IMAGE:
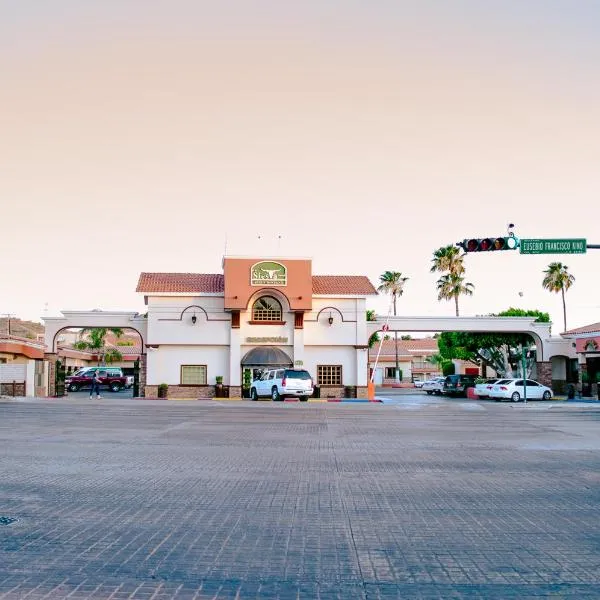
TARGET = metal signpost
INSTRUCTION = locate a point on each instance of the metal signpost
(553, 246)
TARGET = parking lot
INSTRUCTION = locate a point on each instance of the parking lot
(233, 499)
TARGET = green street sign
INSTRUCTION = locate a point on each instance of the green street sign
(561, 246)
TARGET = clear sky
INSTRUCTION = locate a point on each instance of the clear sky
(141, 135)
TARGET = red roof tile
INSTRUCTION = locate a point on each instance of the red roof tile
(208, 283)
(343, 284)
(593, 328)
(180, 282)
(406, 348)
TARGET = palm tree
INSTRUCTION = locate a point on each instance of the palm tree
(558, 279)
(95, 343)
(392, 283)
(448, 258)
(452, 286)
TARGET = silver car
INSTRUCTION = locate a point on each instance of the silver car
(434, 386)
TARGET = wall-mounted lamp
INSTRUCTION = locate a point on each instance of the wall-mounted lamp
(194, 319)
(330, 319)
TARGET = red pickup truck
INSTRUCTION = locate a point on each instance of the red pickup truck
(110, 377)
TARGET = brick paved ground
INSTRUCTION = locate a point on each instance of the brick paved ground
(141, 499)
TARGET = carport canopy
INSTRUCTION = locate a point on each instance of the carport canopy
(266, 356)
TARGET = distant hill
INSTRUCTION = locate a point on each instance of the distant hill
(25, 329)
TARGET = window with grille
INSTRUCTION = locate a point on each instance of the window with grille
(193, 374)
(390, 372)
(329, 374)
(266, 309)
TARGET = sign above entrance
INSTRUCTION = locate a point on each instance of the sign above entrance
(268, 273)
(560, 246)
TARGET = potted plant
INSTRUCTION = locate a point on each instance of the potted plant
(585, 387)
(163, 390)
(219, 386)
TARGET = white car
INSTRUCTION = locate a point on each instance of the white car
(482, 390)
(418, 383)
(434, 386)
(279, 383)
(513, 389)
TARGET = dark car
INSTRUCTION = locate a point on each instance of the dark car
(110, 377)
(456, 385)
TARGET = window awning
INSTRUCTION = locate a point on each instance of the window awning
(266, 356)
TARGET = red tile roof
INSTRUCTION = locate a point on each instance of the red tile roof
(593, 328)
(209, 283)
(343, 284)
(406, 348)
(180, 282)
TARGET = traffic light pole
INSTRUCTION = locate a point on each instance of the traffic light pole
(524, 364)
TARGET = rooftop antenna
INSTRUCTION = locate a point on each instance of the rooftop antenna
(224, 253)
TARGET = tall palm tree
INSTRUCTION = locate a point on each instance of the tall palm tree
(558, 279)
(94, 342)
(392, 283)
(452, 286)
(448, 258)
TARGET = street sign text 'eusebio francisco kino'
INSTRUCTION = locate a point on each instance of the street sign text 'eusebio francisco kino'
(562, 246)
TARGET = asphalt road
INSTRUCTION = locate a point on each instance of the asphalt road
(233, 500)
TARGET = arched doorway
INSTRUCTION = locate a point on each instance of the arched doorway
(260, 359)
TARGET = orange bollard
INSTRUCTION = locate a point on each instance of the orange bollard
(371, 390)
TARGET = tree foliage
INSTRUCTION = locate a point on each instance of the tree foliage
(558, 279)
(502, 351)
(392, 283)
(95, 342)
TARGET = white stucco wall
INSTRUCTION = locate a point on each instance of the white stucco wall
(170, 321)
(331, 355)
(348, 328)
(559, 367)
(164, 363)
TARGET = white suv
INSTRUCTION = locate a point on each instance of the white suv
(279, 383)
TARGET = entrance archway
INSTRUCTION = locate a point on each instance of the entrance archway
(259, 359)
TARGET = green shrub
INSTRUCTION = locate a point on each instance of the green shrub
(448, 368)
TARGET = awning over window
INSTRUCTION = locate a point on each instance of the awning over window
(266, 356)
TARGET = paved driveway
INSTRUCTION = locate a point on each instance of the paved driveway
(167, 499)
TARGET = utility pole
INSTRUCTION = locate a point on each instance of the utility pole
(8, 317)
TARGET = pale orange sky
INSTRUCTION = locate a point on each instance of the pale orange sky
(366, 136)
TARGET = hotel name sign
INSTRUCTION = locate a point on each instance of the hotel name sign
(271, 340)
(268, 273)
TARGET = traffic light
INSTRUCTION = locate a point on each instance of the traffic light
(490, 244)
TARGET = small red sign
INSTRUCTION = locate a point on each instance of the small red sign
(386, 327)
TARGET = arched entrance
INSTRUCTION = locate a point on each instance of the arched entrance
(74, 320)
(259, 359)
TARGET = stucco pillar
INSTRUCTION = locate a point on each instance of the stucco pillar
(143, 375)
(51, 359)
(298, 347)
(362, 366)
(544, 373)
(362, 372)
(235, 371)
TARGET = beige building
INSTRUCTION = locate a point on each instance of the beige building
(258, 313)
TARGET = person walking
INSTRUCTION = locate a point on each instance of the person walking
(96, 385)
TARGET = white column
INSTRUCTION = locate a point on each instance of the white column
(362, 358)
(30, 378)
(298, 347)
(235, 371)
